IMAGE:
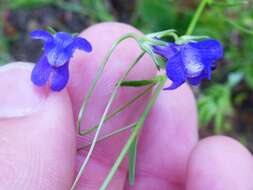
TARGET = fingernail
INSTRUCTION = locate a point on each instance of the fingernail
(18, 96)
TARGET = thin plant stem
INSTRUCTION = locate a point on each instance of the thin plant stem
(123, 129)
(132, 161)
(164, 33)
(103, 120)
(138, 83)
(130, 102)
(232, 4)
(133, 135)
(196, 17)
(97, 77)
(136, 130)
(239, 27)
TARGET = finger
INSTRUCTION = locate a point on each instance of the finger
(37, 142)
(220, 163)
(83, 70)
(168, 137)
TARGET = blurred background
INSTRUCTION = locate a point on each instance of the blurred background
(225, 103)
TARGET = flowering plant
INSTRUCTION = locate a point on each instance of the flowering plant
(58, 49)
(186, 58)
(191, 61)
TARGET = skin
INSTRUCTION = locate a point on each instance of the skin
(38, 140)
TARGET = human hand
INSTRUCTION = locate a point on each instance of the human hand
(37, 127)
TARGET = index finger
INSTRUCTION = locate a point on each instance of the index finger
(83, 69)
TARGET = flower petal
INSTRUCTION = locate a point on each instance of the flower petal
(57, 56)
(174, 85)
(167, 51)
(56, 52)
(79, 43)
(41, 72)
(192, 61)
(63, 39)
(196, 80)
(41, 35)
(207, 72)
(209, 49)
(60, 77)
(175, 71)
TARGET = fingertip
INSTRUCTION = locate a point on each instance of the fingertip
(19, 97)
(166, 141)
(84, 67)
(95, 175)
(113, 28)
(220, 163)
(220, 143)
(37, 133)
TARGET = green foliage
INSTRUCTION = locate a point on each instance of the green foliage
(160, 15)
(4, 55)
(215, 104)
(14, 4)
(226, 4)
(97, 9)
(232, 23)
(155, 14)
(241, 59)
(248, 71)
(71, 7)
(224, 19)
(247, 62)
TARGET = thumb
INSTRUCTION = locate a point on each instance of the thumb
(37, 143)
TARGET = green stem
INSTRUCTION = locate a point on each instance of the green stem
(139, 124)
(132, 161)
(135, 132)
(196, 17)
(164, 33)
(239, 27)
(97, 77)
(133, 135)
(138, 83)
(103, 120)
(130, 102)
(123, 129)
(232, 4)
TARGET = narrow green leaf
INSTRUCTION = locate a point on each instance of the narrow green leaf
(206, 112)
(102, 10)
(134, 134)
(71, 7)
(188, 38)
(218, 121)
(98, 10)
(51, 30)
(239, 27)
(132, 161)
(248, 72)
(228, 4)
(137, 83)
(15, 4)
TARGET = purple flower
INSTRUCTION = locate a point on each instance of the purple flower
(191, 61)
(53, 65)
